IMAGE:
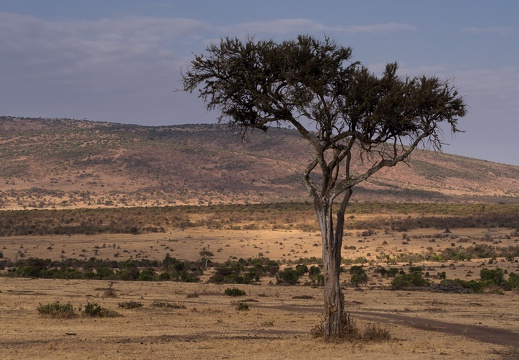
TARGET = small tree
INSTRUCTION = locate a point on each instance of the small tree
(347, 115)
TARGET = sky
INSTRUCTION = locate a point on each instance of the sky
(121, 60)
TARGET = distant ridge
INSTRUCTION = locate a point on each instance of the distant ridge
(66, 163)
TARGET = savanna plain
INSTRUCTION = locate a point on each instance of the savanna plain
(243, 283)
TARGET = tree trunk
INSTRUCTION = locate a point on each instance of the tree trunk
(333, 296)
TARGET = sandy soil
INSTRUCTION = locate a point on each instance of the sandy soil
(423, 325)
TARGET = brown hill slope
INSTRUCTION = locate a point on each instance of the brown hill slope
(62, 163)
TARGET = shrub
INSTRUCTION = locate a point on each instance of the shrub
(417, 269)
(289, 276)
(163, 304)
(475, 286)
(495, 276)
(104, 273)
(188, 277)
(130, 305)
(57, 310)
(413, 279)
(96, 310)
(147, 275)
(164, 276)
(301, 269)
(358, 275)
(316, 278)
(244, 271)
(512, 282)
(234, 292)
(305, 297)
(241, 306)
(391, 272)
(373, 332)
(129, 273)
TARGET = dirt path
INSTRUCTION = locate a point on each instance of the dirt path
(480, 333)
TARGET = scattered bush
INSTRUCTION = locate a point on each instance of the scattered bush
(185, 271)
(57, 310)
(488, 278)
(475, 286)
(244, 271)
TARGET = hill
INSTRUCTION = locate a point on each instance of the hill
(64, 163)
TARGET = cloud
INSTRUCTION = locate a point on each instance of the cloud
(64, 50)
(122, 69)
(66, 47)
(299, 25)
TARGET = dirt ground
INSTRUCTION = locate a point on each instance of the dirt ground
(204, 323)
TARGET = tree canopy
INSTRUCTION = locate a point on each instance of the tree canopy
(335, 104)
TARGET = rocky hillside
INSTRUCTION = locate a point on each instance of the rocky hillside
(63, 163)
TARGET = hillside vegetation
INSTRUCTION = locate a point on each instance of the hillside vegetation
(63, 164)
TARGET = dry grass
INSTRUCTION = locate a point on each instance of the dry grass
(351, 331)
(179, 320)
(276, 326)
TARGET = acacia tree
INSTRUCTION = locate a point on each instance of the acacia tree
(347, 114)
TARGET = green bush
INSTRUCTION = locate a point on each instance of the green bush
(289, 276)
(244, 271)
(95, 310)
(241, 306)
(185, 276)
(104, 273)
(512, 282)
(301, 269)
(495, 276)
(316, 278)
(57, 310)
(358, 275)
(475, 286)
(234, 292)
(413, 279)
(28, 271)
(391, 272)
(164, 276)
(128, 273)
(147, 275)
